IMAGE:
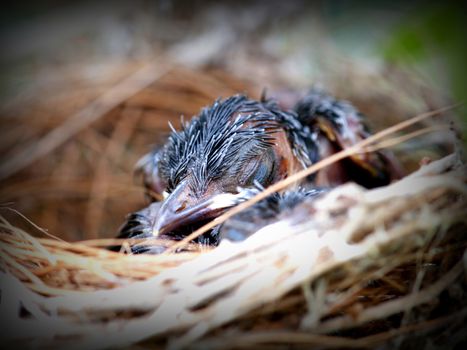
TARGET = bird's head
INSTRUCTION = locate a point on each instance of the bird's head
(215, 161)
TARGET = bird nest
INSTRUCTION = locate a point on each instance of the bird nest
(355, 268)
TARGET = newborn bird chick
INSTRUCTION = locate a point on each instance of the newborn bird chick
(237, 146)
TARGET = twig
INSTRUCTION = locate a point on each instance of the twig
(33, 224)
(401, 139)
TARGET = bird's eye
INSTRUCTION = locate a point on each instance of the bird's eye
(148, 168)
(262, 173)
(259, 170)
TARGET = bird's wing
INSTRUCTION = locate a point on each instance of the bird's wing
(337, 125)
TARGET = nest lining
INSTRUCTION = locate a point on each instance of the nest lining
(373, 267)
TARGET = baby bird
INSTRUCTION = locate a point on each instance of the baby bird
(238, 146)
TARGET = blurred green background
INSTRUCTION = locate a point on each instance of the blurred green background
(304, 41)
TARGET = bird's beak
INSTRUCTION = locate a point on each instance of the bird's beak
(180, 210)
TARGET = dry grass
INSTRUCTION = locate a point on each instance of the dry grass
(371, 266)
(385, 266)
